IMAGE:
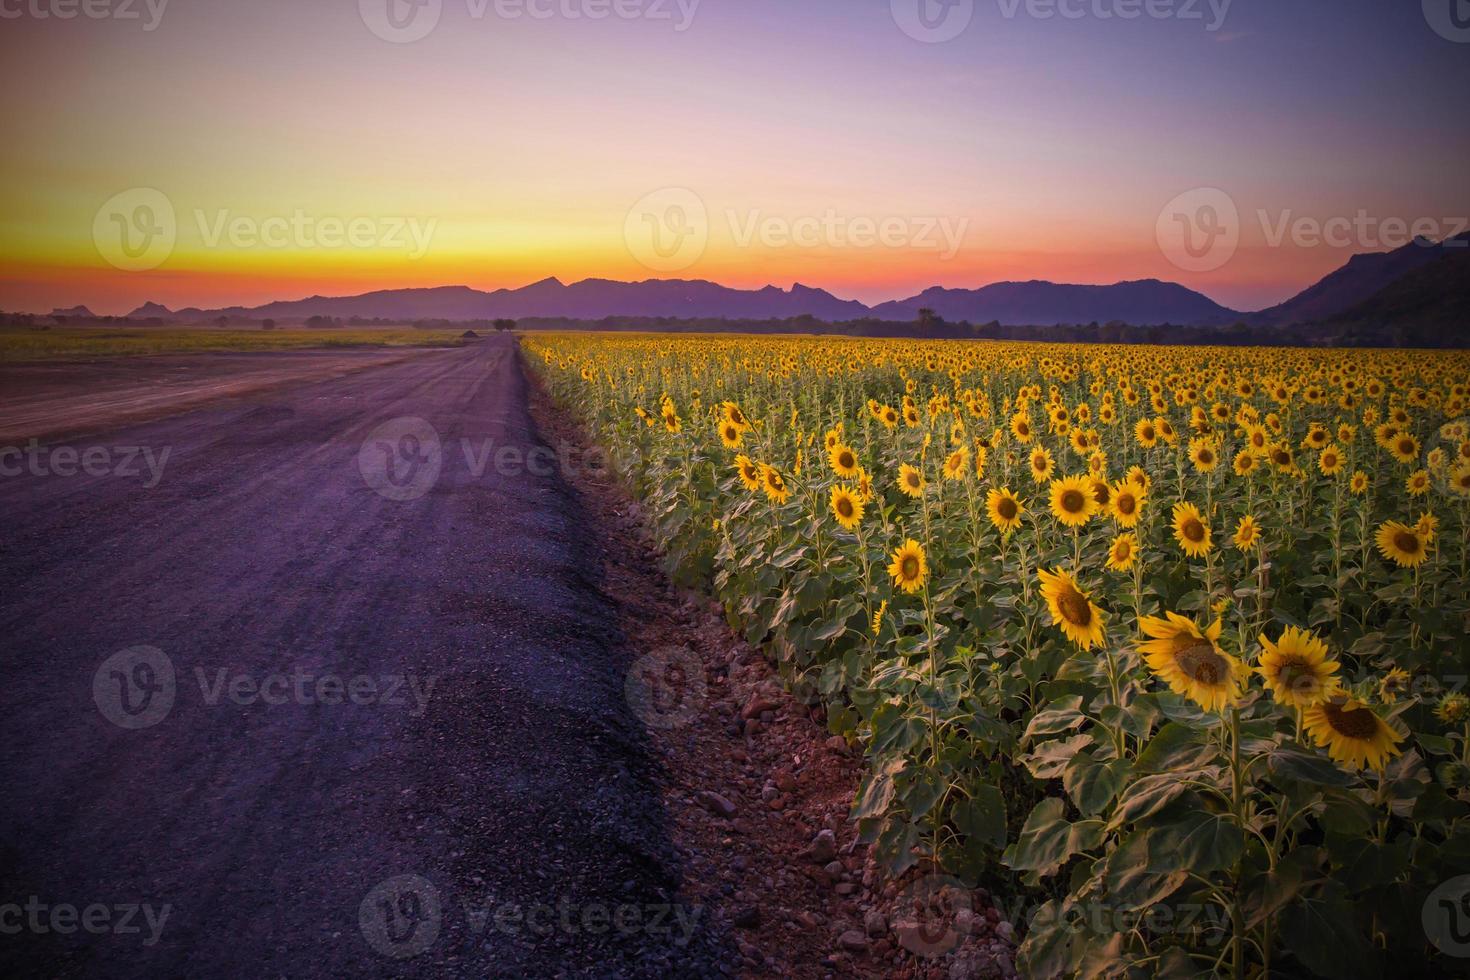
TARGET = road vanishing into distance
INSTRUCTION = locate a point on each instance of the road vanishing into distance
(326, 689)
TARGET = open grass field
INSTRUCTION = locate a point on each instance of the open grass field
(1170, 641)
(27, 344)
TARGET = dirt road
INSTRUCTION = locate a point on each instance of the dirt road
(325, 690)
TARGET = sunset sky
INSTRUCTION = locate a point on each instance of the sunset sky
(517, 145)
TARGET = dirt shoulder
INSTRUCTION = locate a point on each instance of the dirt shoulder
(51, 399)
(756, 791)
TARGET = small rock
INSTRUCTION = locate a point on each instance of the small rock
(824, 847)
(837, 744)
(846, 888)
(834, 869)
(715, 803)
(875, 924)
(786, 782)
(809, 919)
(1005, 931)
(747, 917)
(853, 940)
(758, 705)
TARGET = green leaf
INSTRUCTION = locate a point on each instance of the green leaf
(1320, 932)
(1066, 716)
(983, 816)
(1170, 743)
(1092, 784)
(1147, 796)
(1048, 840)
(1198, 841)
(1050, 758)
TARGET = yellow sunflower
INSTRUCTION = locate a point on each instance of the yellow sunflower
(1330, 461)
(774, 486)
(1245, 463)
(1072, 503)
(1351, 733)
(1460, 481)
(1401, 544)
(735, 416)
(957, 465)
(1247, 533)
(1417, 485)
(910, 480)
(1004, 509)
(1147, 433)
(844, 461)
(1296, 668)
(1393, 685)
(731, 435)
(1191, 531)
(1123, 552)
(750, 472)
(1404, 447)
(1190, 660)
(1127, 502)
(1359, 483)
(847, 507)
(1041, 465)
(1203, 454)
(1071, 609)
(909, 568)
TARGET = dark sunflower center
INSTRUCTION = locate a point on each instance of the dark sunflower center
(1148, 433)
(1406, 542)
(1357, 723)
(1075, 608)
(844, 507)
(845, 460)
(1298, 677)
(1406, 447)
(1206, 457)
(1122, 550)
(1073, 502)
(1202, 663)
(1125, 504)
(909, 568)
(1006, 508)
(1194, 530)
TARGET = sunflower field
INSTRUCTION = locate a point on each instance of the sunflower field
(1171, 641)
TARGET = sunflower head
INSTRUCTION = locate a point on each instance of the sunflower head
(910, 480)
(1393, 685)
(957, 464)
(909, 567)
(1191, 531)
(1004, 509)
(1296, 668)
(847, 507)
(844, 461)
(731, 435)
(1072, 610)
(1453, 709)
(1072, 501)
(1123, 552)
(773, 484)
(1190, 661)
(750, 472)
(1401, 544)
(1351, 733)
(1126, 503)
(1247, 533)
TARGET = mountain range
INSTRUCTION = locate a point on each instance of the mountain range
(1033, 303)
